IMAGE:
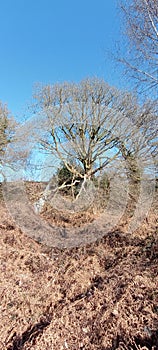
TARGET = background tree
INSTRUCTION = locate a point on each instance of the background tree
(7, 128)
(140, 60)
(4, 128)
(141, 32)
(14, 150)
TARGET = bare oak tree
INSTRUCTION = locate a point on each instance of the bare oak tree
(83, 123)
(87, 127)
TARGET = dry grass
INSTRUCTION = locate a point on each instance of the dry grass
(100, 297)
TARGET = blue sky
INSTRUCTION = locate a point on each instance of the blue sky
(50, 41)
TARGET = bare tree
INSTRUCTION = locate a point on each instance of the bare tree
(141, 31)
(141, 63)
(86, 126)
(7, 128)
(83, 123)
(4, 128)
(14, 151)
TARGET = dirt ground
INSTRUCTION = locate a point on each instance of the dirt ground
(103, 296)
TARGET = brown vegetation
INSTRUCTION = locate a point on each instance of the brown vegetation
(103, 296)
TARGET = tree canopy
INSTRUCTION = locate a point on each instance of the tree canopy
(83, 123)
(89, 125)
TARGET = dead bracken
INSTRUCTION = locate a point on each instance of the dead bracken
(102, 296)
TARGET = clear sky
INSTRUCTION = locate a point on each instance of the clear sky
(54, 40)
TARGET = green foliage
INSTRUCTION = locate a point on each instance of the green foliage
(64, 175)
(68, 183)
(66, 179)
